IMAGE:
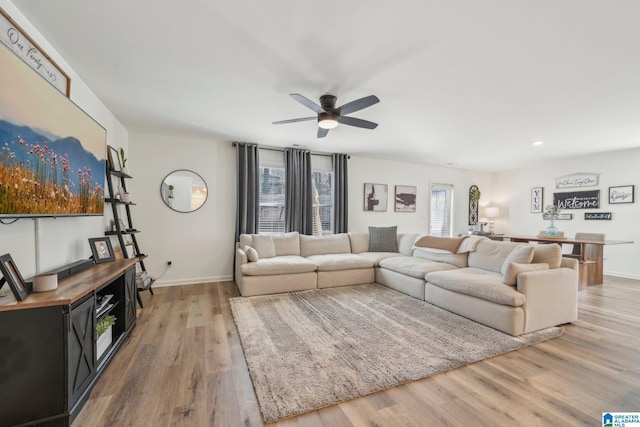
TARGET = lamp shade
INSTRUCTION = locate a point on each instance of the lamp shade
(492, 212)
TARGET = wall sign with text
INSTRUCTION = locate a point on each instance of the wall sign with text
(578, 180)
(622, 194)
(537, 199)
(577, 200)
(601, 216)
(28, 50)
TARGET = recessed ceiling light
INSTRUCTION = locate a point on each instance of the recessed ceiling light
(537, 143)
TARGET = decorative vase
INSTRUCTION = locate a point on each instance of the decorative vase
(552, 231)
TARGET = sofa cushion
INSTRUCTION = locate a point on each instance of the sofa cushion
(510, 277)
(339, 262)
(450, 244)
(383, 239)
(252, 254)
(490, 254)
(376, 257)
(359, 241)
(550, 254)
(476, 282)
(288, 264)
(263, 244)
(321, 245)
(405, 242)
(521, 255)
(413, 266)
(286, 243)
(441, 255)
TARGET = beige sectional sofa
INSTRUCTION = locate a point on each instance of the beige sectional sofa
(513, 287)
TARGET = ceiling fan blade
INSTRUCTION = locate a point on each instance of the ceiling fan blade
(322, 132)
(352, 121)
(358, 104)
(306, 102)
(303, 119)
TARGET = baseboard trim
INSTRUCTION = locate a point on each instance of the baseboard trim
(622, 275)
(193, 281)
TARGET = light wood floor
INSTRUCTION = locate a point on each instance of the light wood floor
(184, 365)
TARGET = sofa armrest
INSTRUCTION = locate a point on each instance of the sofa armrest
(241, 259)
(551, 297)
(571, 263)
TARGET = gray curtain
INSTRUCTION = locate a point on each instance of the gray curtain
(248, 188)
(298, 206)
(340, 193)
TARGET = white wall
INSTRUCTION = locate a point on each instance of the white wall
(512, 193)
(364, 170)
(200, 244)
(62, 240)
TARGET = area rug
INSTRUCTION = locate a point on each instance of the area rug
(311, 349)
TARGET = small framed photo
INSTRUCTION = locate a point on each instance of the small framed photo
(405, 200)
(114, 159)
(12, 276)
(102, 250)
(537, 199)
(622, 194)
(375, 197)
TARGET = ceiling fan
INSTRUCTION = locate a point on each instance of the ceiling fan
(329, 116)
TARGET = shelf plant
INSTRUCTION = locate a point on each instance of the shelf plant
(104, 324)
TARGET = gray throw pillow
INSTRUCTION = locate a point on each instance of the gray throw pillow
(383, 239)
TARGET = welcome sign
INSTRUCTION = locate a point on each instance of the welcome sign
(577, 200)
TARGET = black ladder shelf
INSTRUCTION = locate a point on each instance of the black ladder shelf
(128, 229)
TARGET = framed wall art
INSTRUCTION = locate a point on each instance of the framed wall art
(375, 197)
(537, 199)
(405, 198)
(12, 276)
(621, 194)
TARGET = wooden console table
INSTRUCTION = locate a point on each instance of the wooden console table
(591, 255)
(48, 343)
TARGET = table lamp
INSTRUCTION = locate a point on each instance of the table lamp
(491, 212)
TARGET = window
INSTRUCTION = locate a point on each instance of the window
(322, 172)
(272, 183)
(272, 193)
(441, 219)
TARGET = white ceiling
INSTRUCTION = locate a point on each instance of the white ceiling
(463, 82)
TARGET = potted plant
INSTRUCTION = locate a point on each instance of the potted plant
(170, 191)
(551, 213)
(124, 161)
(104, 335)
(474, 194)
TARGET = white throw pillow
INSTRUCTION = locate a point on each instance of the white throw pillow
(252, 254)
(263, 244)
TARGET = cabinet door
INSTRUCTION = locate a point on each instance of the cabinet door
(130, 293)
(81, 345)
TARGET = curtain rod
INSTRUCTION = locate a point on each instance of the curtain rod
(315, 153)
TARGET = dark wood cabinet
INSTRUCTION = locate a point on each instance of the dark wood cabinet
(49, 361)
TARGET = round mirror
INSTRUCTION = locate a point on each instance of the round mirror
(183, 191)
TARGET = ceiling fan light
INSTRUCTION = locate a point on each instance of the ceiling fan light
(327, 122)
